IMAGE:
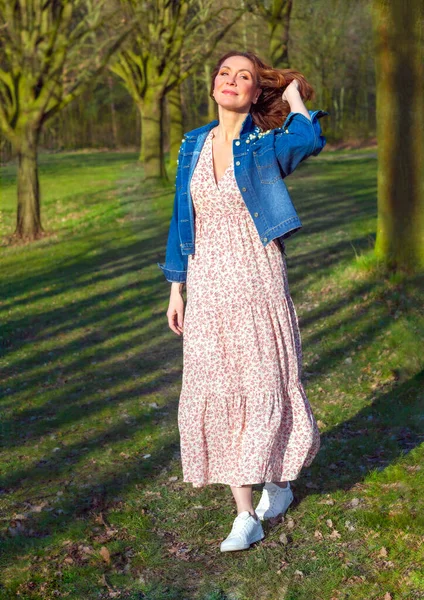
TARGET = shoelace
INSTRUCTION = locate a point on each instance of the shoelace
(272, 495)
(242, 531)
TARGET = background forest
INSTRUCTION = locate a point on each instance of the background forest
(329, 41)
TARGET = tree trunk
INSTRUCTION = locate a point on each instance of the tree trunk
(152, 136)
(207, 72)
(400, 133)
(112, 112)
(279, 26)
(176, 128)
(28, 222)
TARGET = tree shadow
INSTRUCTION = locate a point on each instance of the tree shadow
(120, 345)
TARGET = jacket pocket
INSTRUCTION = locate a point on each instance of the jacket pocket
(267, 165)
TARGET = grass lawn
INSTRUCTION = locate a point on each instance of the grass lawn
(92, 502)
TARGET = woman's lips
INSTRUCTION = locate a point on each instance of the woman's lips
(230, 92)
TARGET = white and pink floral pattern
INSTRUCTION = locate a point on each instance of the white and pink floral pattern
(243, 414)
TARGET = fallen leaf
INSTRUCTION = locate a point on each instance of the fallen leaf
(329, 522)
(383, 551)
(105, 554)
(299, 573)
(318, 535)
(335, 534)
(99, 519)
(283, 539)
(283, 565)
(16, 527)
(38, 508)
(387, 596)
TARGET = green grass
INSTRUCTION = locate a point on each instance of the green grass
(90, 379)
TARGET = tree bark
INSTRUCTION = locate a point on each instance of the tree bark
(112, 112)
(176, 127)
(28, 222)
(279, 27)
(152, 156)
(207, 72)
(400, 133)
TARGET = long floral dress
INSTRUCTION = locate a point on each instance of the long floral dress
(243, 414)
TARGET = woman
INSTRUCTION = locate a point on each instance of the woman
(243, 415)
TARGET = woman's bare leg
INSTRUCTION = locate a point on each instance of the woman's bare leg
(244, 499)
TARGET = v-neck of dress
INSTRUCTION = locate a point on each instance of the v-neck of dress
(217, 183)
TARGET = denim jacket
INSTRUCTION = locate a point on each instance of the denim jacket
(262, 159)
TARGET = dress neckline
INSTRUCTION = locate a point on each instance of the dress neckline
(211, 161)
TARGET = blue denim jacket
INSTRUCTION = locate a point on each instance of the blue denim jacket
(262, 159)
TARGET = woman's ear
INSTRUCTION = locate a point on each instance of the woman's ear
(258, 93)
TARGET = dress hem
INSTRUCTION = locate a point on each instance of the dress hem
(206, 483)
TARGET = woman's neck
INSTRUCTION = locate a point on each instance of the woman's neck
(229, 126)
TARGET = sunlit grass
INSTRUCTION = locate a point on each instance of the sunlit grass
(91, 493)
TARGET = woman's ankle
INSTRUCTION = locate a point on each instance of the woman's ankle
(281, 484)
(250, 511)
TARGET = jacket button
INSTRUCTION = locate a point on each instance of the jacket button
(247, 141)
(238, 163)
(243, 189)
(265, 239)
(286, 131)
(237, 143)
(256, 214)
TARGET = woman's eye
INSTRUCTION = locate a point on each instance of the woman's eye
(224, 73)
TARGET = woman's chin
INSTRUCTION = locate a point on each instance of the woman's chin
(232, 104)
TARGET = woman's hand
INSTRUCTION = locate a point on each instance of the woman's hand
(175, 312)
(293, 85)
(295, 99)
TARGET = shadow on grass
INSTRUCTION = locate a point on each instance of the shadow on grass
(105, 333)
(374, 438)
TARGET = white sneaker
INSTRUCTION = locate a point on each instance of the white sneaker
(245, 531)
(274, 501)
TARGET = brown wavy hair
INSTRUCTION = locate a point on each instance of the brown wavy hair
(270, 110)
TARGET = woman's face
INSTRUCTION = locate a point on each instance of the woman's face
(235, 87)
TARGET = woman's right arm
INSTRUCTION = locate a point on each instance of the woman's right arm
(175, 312)
(304, 132)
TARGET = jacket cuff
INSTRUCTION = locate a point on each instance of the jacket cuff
(319, 139)
(314, 114)
(173, 276)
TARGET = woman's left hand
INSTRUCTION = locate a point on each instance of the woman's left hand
(294, 84)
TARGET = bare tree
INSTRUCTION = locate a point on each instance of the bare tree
(168, 42)
(48, 56)
(276, 13)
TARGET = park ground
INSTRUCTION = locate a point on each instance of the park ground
(92, 500)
